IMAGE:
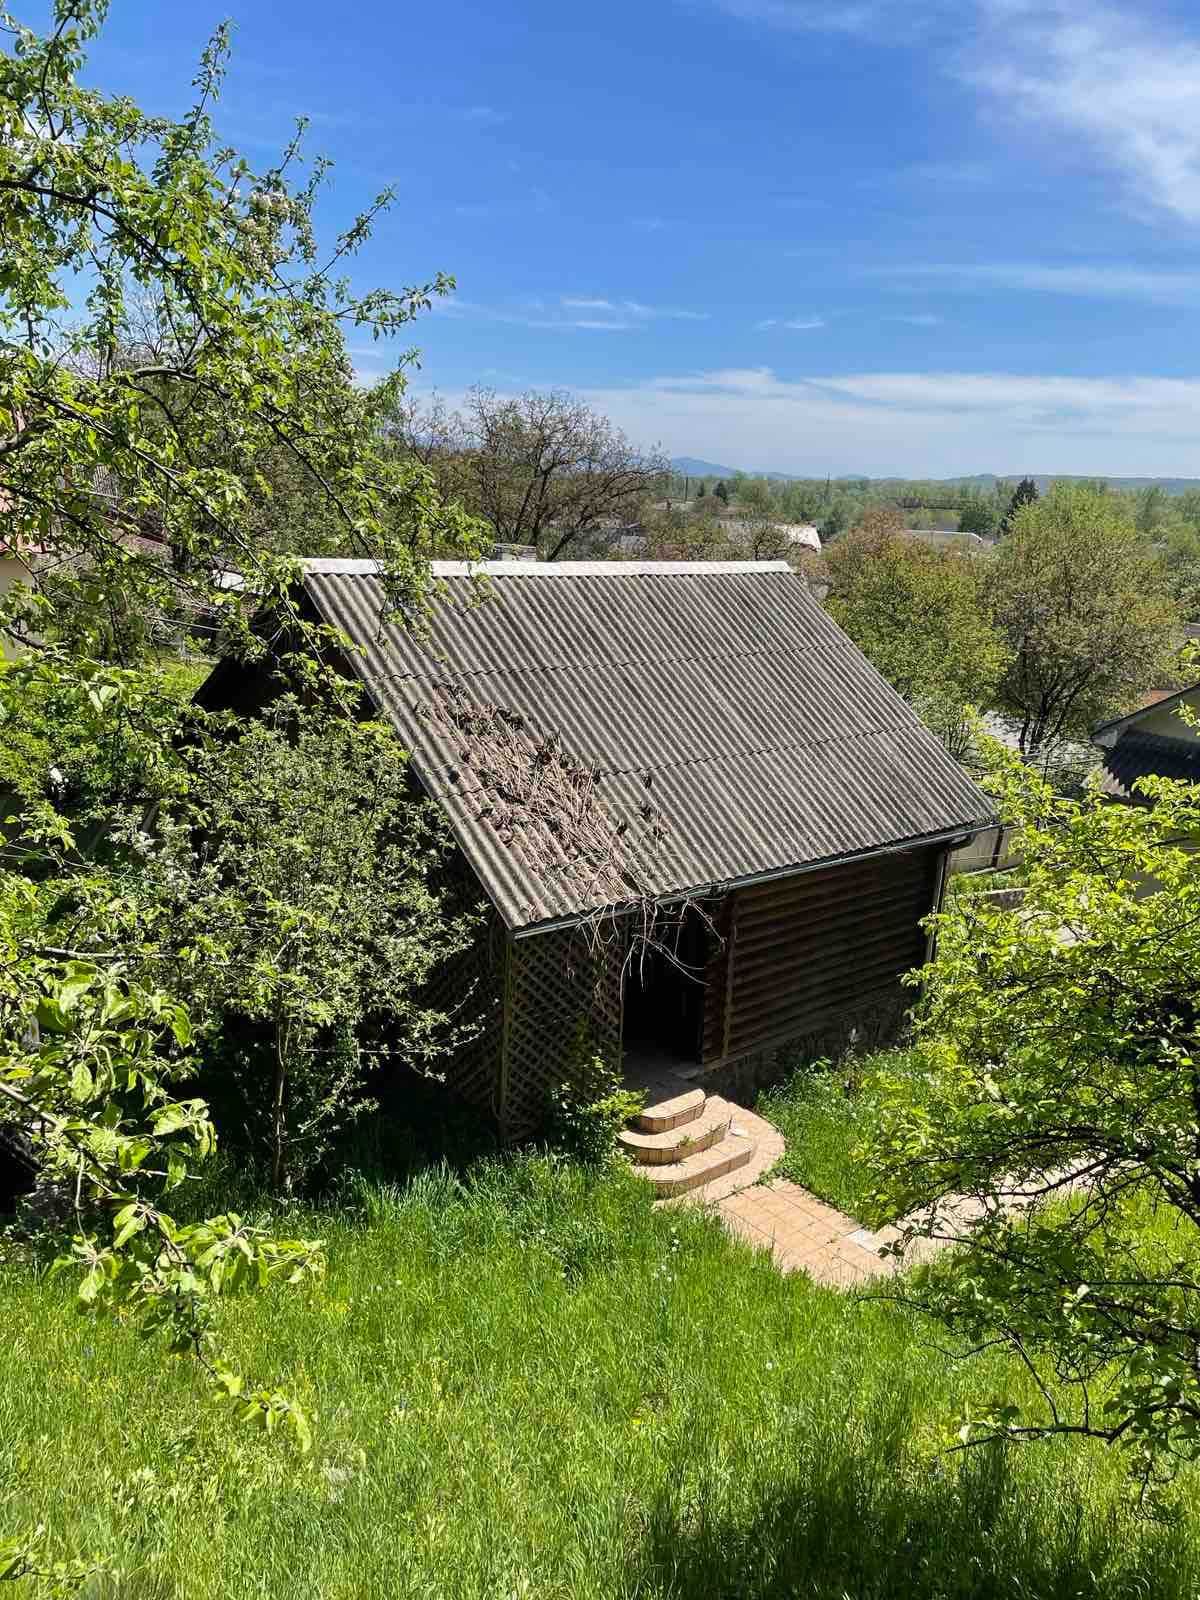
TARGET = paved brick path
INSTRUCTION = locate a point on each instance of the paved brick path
(804, 1234)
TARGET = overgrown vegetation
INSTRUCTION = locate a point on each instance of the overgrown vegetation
(831, 1114)
(528, 1382)
(1061, 1044)
(144, 431)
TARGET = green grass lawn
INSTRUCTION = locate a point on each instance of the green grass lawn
(528, 1383)
(827, 1114)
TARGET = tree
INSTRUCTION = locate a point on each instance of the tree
(978, 514)
(702, 491)
(99, 199)
(1025, 494)
(539, 468)
(920, 616)
(1061, 1044)
(296, 882)
(721, 492)
(1084, 606)
(754, 495)
(1178, 545)
(676, 535)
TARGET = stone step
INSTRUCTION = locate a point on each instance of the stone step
(676, 1144)
(663, 1115)
(706, 1166)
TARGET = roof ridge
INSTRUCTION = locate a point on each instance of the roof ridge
(366, 567)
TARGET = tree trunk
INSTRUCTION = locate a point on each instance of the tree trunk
(278, 1119)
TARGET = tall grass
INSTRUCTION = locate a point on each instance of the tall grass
(828, 1113)
(529, 1383)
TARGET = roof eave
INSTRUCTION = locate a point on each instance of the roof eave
(1106, 734)
(961, 833)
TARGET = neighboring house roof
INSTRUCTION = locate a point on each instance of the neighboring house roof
(1152, 741)
(1144, 755)
(1106, 734)
(720, 726)
(797, 533)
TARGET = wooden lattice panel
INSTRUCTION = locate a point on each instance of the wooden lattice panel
(561, 1000)
(469, 989)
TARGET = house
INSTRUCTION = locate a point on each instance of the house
(744, 531)
(1154, 741)
(707, 830)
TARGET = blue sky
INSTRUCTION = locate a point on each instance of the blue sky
(878, 236)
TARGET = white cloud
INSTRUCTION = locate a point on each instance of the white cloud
(586, 313)
(632, 309)
(919, 319)
(939, 424)
(484, 116)
(1121, 83)
(873, 18)
(1099, 281)
(796, 324)
(1126, 85)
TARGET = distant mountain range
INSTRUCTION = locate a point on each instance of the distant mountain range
(694, 467)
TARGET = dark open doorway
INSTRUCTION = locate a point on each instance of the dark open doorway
(664, 994)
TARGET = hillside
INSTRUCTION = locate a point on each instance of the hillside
(695, 467)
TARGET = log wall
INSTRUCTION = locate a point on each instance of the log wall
(800, 953)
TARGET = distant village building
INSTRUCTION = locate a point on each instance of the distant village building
(742, 530)
(942, 537)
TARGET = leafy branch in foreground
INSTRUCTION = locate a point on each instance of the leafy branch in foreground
(89, 1068)
(1059, 1141)
(154, 439)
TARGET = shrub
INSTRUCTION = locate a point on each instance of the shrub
(588, 1111)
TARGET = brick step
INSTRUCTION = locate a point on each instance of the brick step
(706, 1166)
(664, 1115)
(678, 1143)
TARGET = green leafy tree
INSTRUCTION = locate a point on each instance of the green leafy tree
(169, 329)
(1056, 1134)
(1178, 545)
(754, 496)
(721, 492)
(95, 1055)
(919, 614)
(294, 887)
(978, 514)
(1085, 607)
(1025, 494)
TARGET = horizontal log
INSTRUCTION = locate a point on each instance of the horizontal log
(780, 1027)
(768, 1008)
(869, 965)
(751, 901)
(787, 934)
(759, 917)
(793, 947)
(879, 869)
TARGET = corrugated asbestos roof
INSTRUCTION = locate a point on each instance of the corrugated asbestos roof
(1144, 755)
(714, 723)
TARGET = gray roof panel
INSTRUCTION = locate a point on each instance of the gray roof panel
(769, 741)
